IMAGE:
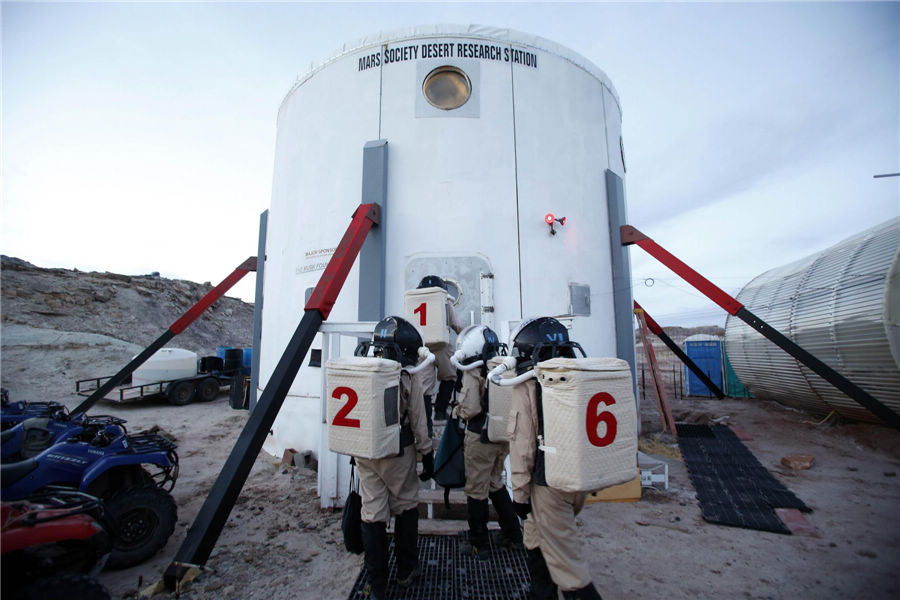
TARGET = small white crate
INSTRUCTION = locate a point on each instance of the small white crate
(653, 471)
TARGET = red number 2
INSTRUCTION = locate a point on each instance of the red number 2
(421, 309)
(340, 419)
(593, 419)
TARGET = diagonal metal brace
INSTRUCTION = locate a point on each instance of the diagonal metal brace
(204, 532)
(658, 331)
(174, 329)
(631, 235)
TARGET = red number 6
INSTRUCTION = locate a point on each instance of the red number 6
(340, 419)
(593, 419)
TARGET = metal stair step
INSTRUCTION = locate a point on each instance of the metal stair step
(437, 496)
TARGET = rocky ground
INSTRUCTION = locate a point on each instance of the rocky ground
(59, 326)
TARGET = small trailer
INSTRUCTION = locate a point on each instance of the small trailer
(203, 387)
(208, 381)
(203, 377)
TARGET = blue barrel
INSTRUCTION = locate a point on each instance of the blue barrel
(248, 360)
(220, 351)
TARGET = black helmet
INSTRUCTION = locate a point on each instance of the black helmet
(432, 281)
(541, 338)
(394, 338)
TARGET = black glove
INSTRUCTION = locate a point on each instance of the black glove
(427, 466)
(522, 509)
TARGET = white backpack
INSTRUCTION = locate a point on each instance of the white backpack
(363, 406)
(589, 423)
(426, 309)
(499, 403)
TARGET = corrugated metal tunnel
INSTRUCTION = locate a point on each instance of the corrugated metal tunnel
(843, 306)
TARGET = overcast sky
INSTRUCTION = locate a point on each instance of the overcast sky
(140, 137)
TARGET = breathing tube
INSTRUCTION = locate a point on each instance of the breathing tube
(509, 362)
(469, 367)
(425, 353)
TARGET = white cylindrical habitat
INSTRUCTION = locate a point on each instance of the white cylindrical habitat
(487, 131)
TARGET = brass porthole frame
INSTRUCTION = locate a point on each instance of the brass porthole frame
(441, 71)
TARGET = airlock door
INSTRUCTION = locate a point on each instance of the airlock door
(466, 277)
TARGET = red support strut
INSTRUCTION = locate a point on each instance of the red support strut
(213, 295)
(326, 292)
(631, 235)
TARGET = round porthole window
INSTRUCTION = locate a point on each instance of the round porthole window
(454, 291)
(447, 88)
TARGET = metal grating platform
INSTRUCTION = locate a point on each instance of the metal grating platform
(449, 572)
(733, 488)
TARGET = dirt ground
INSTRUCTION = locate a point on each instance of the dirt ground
(278, 545)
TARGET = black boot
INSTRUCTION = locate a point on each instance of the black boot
(588, 592)
(406, 540)
(445, 391)
(375, 542)
(506, 515)
(542, 586)
(478, 530)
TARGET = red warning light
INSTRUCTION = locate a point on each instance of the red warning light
(550, 219)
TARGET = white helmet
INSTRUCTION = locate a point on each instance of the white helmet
(477, 342)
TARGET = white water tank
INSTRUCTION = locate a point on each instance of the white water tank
(166, 364)
(468, 188)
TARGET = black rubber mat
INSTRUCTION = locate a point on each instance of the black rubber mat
(449, 572)
(733, 488)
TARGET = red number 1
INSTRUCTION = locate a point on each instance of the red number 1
(340, 419)
(593, 419)
(421, 309)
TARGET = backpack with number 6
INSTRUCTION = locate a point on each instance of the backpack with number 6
(589, 423)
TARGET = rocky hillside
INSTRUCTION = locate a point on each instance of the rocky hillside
(131, 308)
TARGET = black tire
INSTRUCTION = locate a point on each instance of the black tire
(181, 393)
(144, 518)
(208, 389)
(64, 587)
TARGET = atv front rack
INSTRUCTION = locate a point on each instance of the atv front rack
(145, 443)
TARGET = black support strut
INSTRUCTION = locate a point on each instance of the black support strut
(204, 532)
(661, 334)
(821, 369)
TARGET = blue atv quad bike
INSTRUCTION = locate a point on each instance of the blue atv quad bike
(132, 473)
(13, 413)
(35, 434)
(32, 427)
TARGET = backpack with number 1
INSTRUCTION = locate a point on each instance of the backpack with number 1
(426, 308)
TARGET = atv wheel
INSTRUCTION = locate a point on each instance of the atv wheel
(181, 393)
(144, 518)
(208, 389)
(70, 587)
